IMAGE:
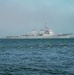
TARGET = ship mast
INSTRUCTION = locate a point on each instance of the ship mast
(46, 26)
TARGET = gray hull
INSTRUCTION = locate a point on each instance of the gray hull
(39, 37)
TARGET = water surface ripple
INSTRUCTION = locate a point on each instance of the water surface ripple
(37, 57)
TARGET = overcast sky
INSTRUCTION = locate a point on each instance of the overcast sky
(20, 16)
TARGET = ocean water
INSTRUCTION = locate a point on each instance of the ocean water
(37, 57)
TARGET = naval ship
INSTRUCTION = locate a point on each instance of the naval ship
(43, 34)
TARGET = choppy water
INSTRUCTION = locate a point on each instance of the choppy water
(37, 57)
